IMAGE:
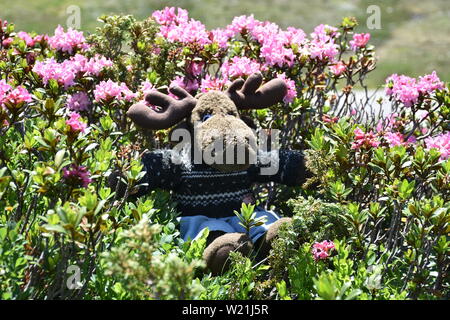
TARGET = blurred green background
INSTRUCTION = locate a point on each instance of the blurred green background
(414, 38)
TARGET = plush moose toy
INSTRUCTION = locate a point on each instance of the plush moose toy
(208, 193)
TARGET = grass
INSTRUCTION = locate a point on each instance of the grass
(414, 38)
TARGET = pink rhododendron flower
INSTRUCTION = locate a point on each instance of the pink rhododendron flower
(403, 88)
(323, 50)
(91, 66)
(191, 32)
(75, 124)
(41, 38)
(68, 41)
(221, 37)
(440, 142)
(195, 68)
(322, 250)
(7, 42)
(77, 176)
(50, 69)
(26, 37)
(242, 23)
(276, 54)
(78, 102)
(292, 91)
(18, 95)
(394, 139)
(168, 16)
(324, 33)
(327, 119)
(265, 32)
(338, 68)
(108, 90)
(178, 27)
(430, 83)
(66, 72)
(294, 36)
(364, 140)
(185, 83)
(209, 83)
(13, 96)
(4, 88)
(147, 87)
(408, 90)
(239, 66)
(360, 40)
(274, 42)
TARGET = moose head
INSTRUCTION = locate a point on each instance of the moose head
(213, 116)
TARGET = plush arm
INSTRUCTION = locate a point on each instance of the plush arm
(160, 172)
(288, 168)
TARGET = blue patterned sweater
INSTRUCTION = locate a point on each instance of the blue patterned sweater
(199, 189)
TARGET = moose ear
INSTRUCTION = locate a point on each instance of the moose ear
(251, 95)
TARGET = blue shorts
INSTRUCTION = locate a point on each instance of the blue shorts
(192, 226)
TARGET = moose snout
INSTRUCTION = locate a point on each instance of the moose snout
(227, 143)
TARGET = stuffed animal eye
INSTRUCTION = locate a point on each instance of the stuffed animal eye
(206, 117)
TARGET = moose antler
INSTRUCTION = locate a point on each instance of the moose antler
(246, 95)
(173, 111)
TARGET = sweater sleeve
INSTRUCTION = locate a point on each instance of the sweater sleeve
(285, 166)
(160, 172)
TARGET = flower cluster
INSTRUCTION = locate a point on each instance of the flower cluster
(440, 142)
(75, 124)
(323, 46)
(238, 67)
(26, 37)
(78, 102)
(274, 42)
(360, 40)
(398, 139)
(322, 250)
(66, 72)
(275, 48)
(338, 68)
(13, 96)
(69, 41)
(408, 90)
(291, 90)
(179, 28)
(147, 87)
(78, 176)
(364, 140)
(107, 90)
(209, 83)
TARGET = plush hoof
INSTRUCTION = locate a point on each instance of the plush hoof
(216, 254)
(264, 244)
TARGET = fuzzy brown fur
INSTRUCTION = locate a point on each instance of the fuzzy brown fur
(224, 127)
(216, 255)
(264, 244)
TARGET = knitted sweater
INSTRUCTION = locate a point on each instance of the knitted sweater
(199, 189)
